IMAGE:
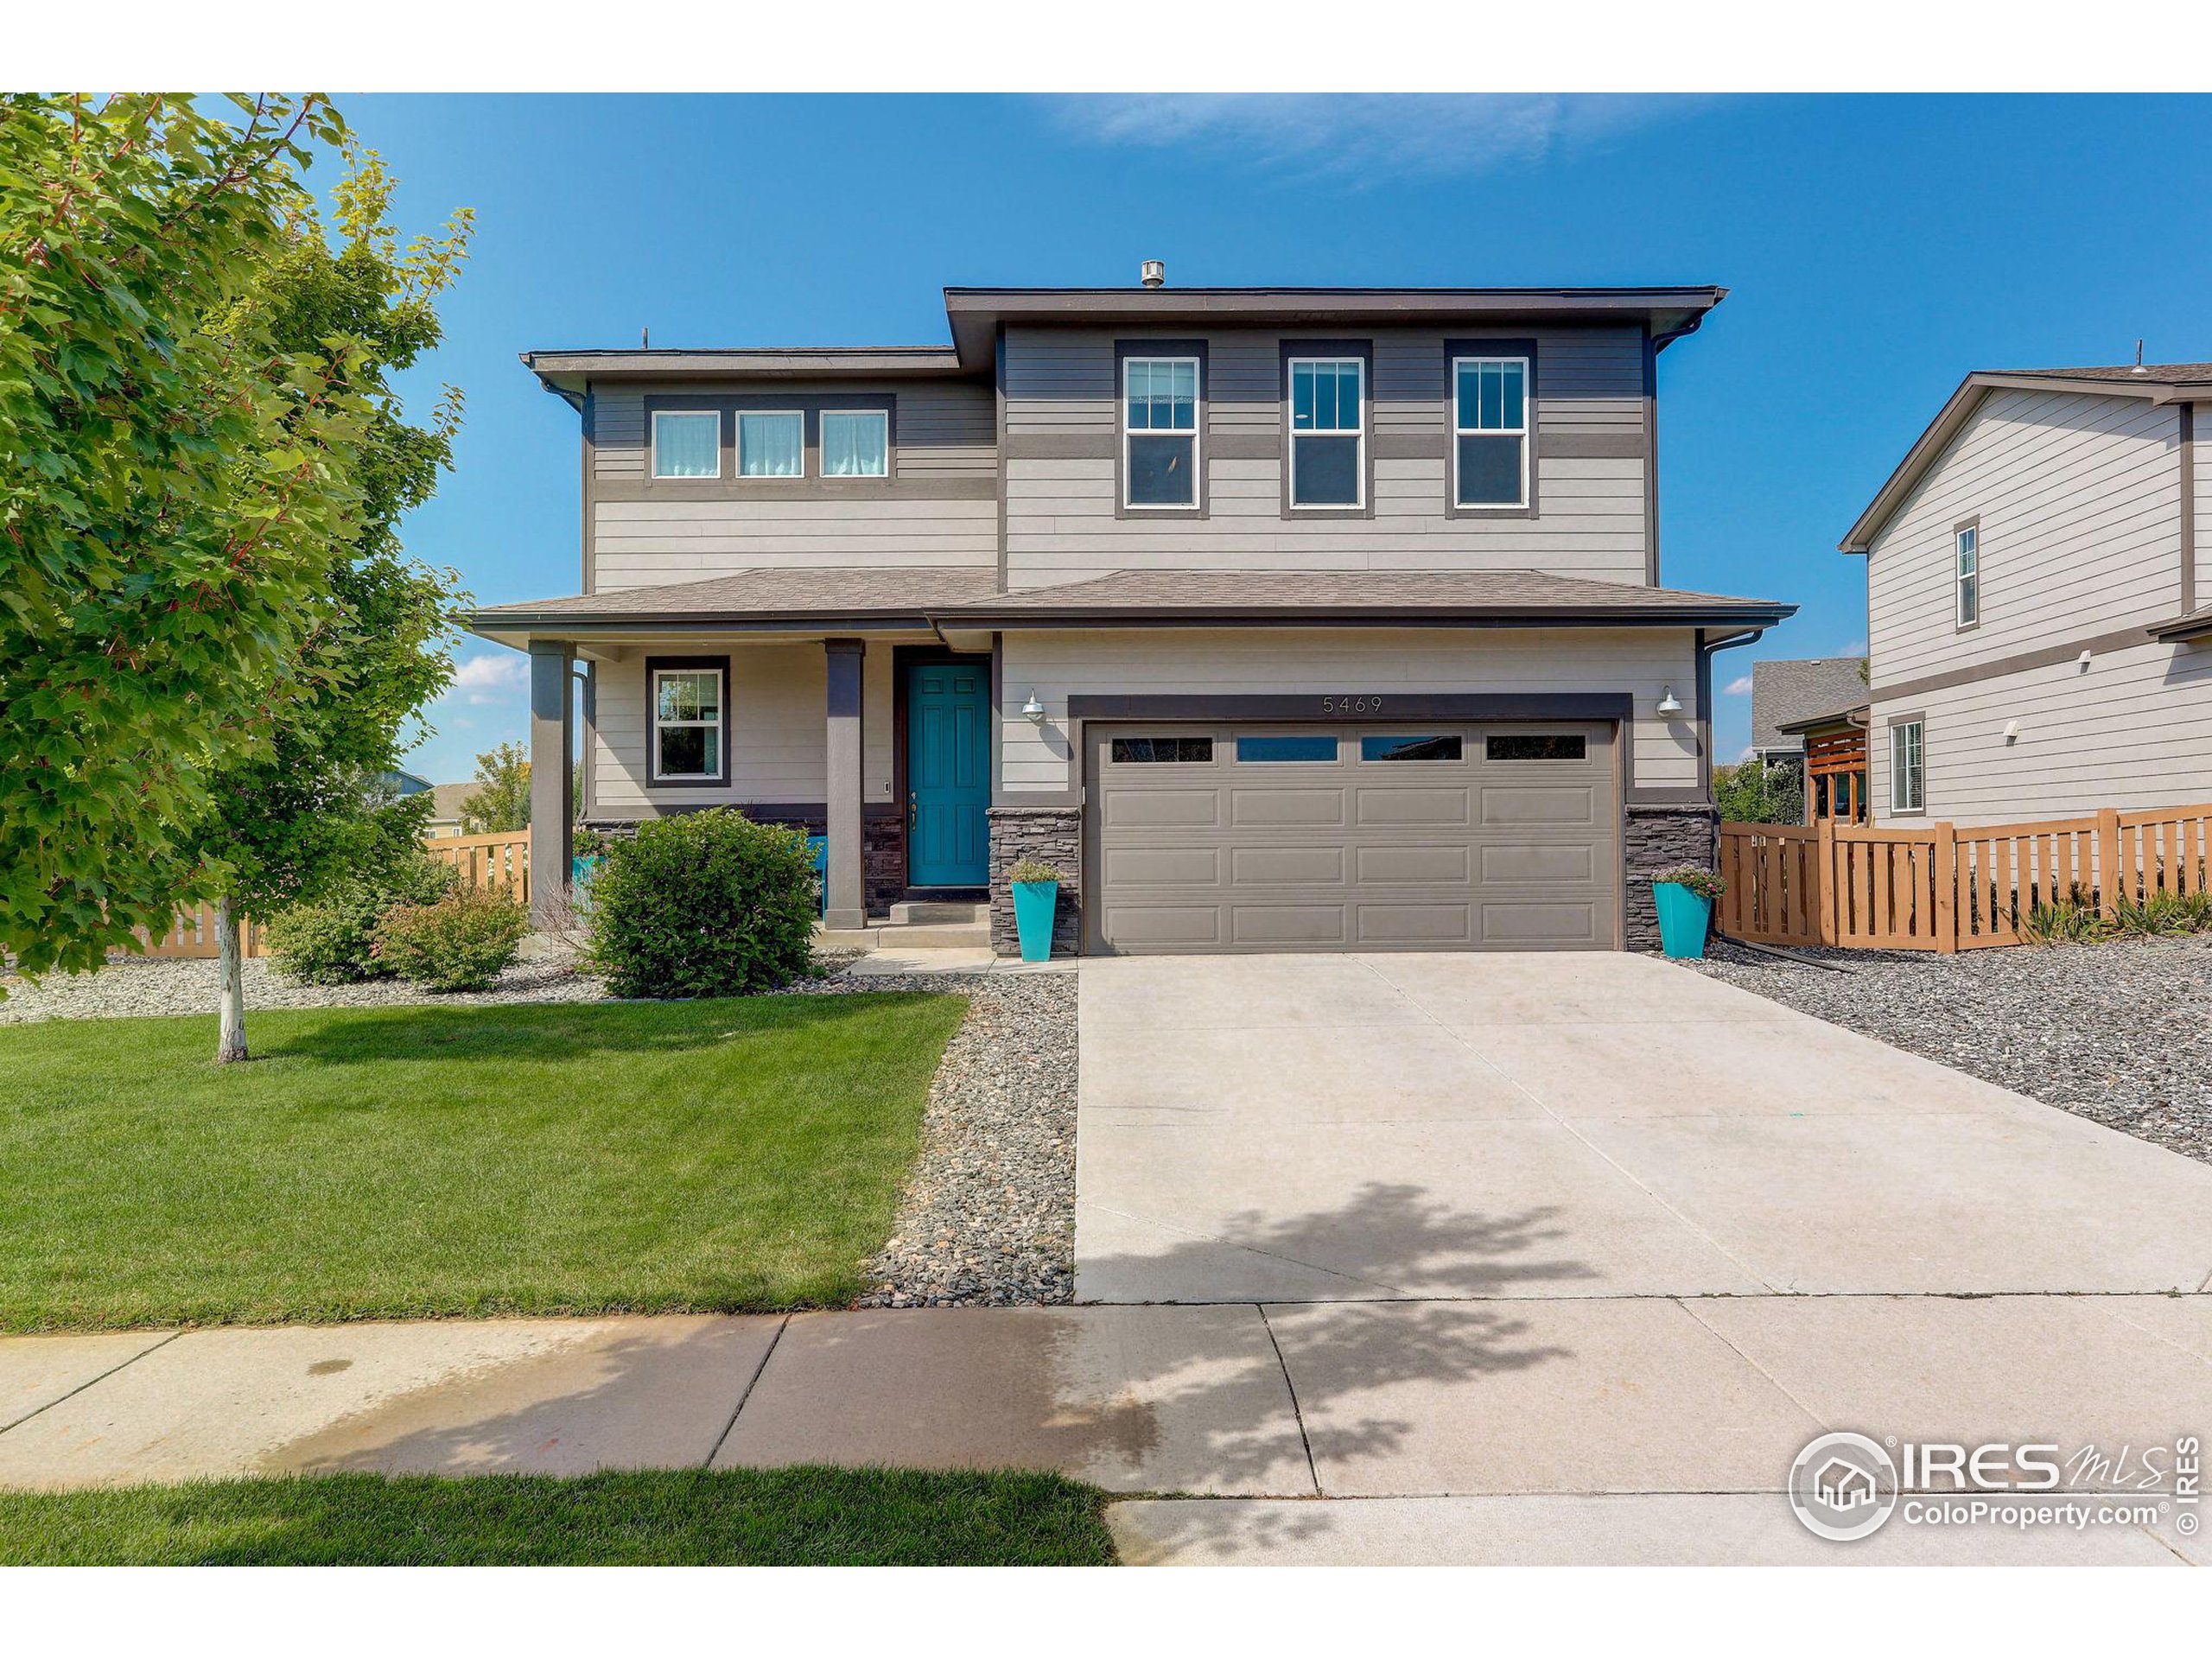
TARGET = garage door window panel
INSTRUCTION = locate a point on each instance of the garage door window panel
(1162, 751)
(1282, 750)
(1411, 748)
(1534, 745)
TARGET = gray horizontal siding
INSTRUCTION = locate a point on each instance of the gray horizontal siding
(2078, 497)
(640, 543)
(2132, 730)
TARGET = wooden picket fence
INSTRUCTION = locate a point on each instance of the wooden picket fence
(500, 861)
(1938, 887)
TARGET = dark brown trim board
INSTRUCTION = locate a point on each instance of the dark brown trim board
(586, 492)
(1355, 707)
(1463, 347)
(2188, 463)
(1202, 447)
(1651, 458)
(1292, 346)
(653, 665)
(998, 400)
(2019, 661)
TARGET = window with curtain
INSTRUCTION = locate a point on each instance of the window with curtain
(687, 443)
(687, 725)
(1159, 432)
(1490, 431)
(1328, 432)
(1967, 541)
(856, 443)
(1908, 768)
(771, 444)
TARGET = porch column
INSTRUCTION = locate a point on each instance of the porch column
(847, 906)
(552, 831)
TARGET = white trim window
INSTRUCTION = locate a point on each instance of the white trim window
(1907, 767)
(1489, 432)
(1966, 574)
(687, 738)
(771, 444)
(1328, 432)
(1159, 432)
(856, 443)
(687, 443)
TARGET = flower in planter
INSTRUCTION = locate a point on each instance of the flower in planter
(1032, 869)
(1706, 884)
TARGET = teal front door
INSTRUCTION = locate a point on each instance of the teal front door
(948, 774)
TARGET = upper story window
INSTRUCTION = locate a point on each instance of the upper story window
(1160, 431)
(1328, 432)
(687, 443)
(1490, 431)
(687, 709)
(856, 443)
(1907, 767)
(771, 444)
(1966, 582)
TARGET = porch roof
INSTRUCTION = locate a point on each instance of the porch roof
(784, 601)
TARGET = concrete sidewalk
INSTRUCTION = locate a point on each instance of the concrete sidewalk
(1597, 1428)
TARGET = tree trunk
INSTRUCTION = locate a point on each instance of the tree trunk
(231, 1044)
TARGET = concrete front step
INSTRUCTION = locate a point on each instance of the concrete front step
(938, 912)
(964, 936)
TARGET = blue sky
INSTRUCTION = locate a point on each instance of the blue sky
(1876, 249)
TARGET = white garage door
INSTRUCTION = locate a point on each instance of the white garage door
(1426, 837)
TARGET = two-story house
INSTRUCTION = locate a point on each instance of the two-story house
(2036, 647)
(1278, 619)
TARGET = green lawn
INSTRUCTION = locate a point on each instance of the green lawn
(401, 1162)
(775, 1517)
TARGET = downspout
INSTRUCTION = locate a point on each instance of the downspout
(1707, 651)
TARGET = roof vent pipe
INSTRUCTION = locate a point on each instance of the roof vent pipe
(2138, 368)
(1153, 273)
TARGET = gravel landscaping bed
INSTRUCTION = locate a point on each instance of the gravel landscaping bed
(2119, 1032)
(987, 1215)
(987, 1218)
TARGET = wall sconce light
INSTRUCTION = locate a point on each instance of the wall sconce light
(2012, 731)
(1033, 711)
(1669, 704)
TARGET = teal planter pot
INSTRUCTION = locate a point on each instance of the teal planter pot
(1034, 904)
(1683, 918)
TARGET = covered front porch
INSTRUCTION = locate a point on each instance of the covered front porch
(874, 732)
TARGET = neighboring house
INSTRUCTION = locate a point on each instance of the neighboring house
(1278, 619)
(1809, 714)
(2038, 647)
(444, 811)
(1786, 691)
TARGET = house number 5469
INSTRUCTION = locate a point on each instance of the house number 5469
(1351, 705)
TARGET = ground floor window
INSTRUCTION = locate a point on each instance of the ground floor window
(1907, 767)
(687, 710)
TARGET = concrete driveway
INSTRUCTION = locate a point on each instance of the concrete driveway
(1347, 1127)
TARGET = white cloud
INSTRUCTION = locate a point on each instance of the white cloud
(1740, 686)
(490, 679)
(1366, 134)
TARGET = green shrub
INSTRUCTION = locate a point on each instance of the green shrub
(705, 904)
(1033, 869)
(333, 940)
(459, 942)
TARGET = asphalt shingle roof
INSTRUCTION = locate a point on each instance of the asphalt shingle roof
(1785, 690)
